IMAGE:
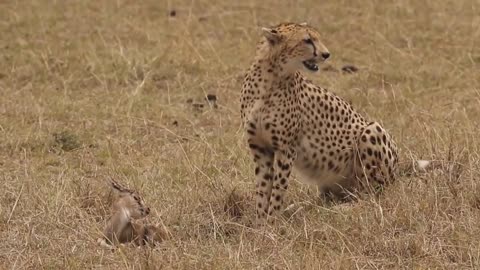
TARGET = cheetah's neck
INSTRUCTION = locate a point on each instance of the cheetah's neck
(274, 77)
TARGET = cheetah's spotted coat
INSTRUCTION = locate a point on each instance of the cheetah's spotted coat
(292, 123)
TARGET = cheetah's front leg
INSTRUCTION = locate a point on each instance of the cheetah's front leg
(282, 167)
(263, 158)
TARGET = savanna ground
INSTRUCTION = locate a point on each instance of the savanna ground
(92, 90)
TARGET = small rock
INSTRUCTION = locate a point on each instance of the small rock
(211, 98)
(173, 13)
(175, 123)
(349, 69)
(329, 68)
(198, 105)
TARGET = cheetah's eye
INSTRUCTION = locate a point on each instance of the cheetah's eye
(308, 41)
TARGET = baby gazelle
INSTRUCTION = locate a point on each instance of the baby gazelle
(125, 226)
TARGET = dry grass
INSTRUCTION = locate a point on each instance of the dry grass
(98, 89)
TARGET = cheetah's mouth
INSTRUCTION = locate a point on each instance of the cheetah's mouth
(311, 64)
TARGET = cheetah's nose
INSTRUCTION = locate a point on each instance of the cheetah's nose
(325, 55)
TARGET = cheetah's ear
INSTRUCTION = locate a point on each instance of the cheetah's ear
(272, 35)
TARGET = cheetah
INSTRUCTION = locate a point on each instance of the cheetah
(292, 124)
(125, 226)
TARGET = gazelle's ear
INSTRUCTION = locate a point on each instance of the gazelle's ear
(303, 24)
(272, 35)
(116, 186)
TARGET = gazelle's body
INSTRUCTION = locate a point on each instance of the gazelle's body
(125, 224)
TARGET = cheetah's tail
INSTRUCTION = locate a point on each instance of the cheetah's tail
(417, 166)
(423, 164)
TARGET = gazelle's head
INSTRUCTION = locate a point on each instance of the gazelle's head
(129, 202)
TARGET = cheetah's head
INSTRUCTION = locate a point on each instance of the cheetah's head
(297, 46)
(129, 201)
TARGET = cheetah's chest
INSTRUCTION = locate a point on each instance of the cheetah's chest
(276, 120)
